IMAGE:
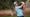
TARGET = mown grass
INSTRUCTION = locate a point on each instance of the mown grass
(13, 16)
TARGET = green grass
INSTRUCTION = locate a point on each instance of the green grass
(26, 16)
(12, 16)
(7, 16)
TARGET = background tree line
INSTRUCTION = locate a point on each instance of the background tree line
(7, 4)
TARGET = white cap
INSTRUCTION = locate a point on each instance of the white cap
(14, 2)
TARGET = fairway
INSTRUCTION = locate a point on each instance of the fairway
(12, 16)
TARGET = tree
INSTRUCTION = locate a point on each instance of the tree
(6, 4)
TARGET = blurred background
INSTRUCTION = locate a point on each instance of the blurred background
(7, 10)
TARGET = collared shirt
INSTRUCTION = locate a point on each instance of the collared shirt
(19, 10)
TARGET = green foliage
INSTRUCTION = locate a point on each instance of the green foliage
(7, 4)
(19, 1)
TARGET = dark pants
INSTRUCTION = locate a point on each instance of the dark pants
(20, 16)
